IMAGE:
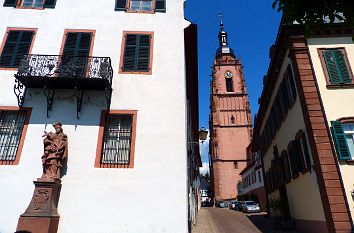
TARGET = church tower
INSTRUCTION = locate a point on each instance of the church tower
(230, 120)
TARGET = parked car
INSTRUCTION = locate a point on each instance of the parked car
(251, 207)
(233, 205)
(223, 204)
(240, 205)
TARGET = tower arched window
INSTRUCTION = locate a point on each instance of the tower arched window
(229, 84)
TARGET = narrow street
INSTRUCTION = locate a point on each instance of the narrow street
(217, 220)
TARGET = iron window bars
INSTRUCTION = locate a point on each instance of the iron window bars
(117, 139)
(11, 127)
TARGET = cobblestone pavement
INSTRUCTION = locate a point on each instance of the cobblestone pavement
(217, 220)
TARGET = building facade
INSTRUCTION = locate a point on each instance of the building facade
(303, 171)
(105, 71)
(252, 178)
(230, 120)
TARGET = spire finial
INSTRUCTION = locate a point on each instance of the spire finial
(221, 23)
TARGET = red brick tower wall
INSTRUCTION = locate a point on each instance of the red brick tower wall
(230, 126)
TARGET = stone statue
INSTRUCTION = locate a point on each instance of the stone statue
(55, 152)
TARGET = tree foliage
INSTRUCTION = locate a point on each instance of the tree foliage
(316, 12)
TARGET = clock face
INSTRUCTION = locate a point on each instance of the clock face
(228, 74)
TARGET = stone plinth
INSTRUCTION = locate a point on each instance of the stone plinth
(42, 215)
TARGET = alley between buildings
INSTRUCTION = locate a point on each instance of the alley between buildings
(218, 220)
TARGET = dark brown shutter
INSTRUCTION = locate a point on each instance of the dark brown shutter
(130, 52)
(160, 6)
(10, 3)
(143, 59)
(120, 5)
(50, 4)
(17, 44)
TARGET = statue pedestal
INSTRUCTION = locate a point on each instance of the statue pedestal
(42, 215)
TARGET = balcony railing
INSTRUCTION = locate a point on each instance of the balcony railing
(63, 72)
(35, 69)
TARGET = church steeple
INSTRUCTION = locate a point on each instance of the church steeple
(223, 43)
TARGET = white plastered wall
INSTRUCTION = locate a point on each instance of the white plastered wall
(337, 102)
(151, 197)
(299, 201)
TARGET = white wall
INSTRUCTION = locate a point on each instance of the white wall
(337, 102)
(255, 185)
(142, 199)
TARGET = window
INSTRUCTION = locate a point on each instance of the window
(259, 177)
(295, 162)
(232, 119)
(336, 66)
(148, 6)
(343, 137)
(137, 55)
(77, 44)
(38, 4)
(116, 140)
(76, 47)
(13, 126)
(229, 84)
(17, 43)
(303, 151)
(285, 165)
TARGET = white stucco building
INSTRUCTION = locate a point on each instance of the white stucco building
(128, 167)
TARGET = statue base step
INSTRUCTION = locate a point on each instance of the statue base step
(41, 216)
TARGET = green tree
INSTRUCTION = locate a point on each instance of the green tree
(316, 12)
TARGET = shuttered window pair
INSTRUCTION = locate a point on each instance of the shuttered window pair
(337, 66)
(137, 53)
(343, 137)
(17, 44)
(30, 3)
(141, 5)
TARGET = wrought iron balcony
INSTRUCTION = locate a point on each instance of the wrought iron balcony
(63, 72)
(92, 73)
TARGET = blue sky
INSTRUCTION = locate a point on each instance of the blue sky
(252, 28)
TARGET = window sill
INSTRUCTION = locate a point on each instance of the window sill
(334, 86)
(8, 68)
(140, 12)
(350, 162)
(136, 72)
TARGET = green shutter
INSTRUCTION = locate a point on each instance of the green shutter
(160, 6)
(143, 58)
(50, 3)
(120, 5)
(342, 66)
(336, 66)
(17, 44)
(10, 3)
(339, 141)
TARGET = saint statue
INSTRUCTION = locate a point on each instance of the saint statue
(55, 152)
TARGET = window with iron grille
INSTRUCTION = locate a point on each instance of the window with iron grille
(11, 127)
(117, 139)
(137, 52)
(17, 44)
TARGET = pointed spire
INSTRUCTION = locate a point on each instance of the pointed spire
(223, 44)
(221, 24)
